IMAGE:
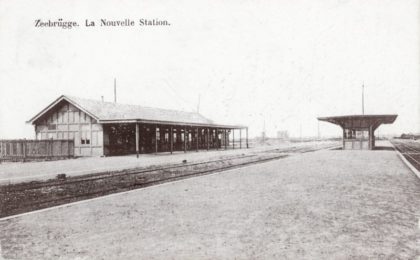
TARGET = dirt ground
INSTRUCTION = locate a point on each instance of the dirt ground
(329, 204)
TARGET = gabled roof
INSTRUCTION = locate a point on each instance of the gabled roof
(108, 112)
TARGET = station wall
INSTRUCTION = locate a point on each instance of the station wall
(66, 121)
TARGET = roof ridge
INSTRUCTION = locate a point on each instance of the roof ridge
(105, 111)
(126, 104)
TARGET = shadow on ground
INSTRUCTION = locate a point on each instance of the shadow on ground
(377, 148)
(383, 148)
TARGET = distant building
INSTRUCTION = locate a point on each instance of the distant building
(283, 135)
(263, 135)
(104, 128)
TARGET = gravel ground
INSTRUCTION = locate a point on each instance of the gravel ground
(323, 205)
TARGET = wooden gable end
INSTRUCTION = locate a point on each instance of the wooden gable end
(64, 113)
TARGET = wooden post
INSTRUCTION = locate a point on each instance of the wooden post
(156, 141)
(196, 140)
(247, 138)
(208, 139)
(172, 140)
(217, 139)
(240, 138)
(24, 149)
(225, 139)
(233, 138)
(185, 139)
(137, 139)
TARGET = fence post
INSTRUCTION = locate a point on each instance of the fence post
(24, 149)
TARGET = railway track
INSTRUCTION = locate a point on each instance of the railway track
(25, 197)
(410, 150)
(111, 174)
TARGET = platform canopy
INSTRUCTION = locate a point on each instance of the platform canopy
(360, 121)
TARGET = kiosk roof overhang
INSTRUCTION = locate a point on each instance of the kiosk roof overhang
(360, 121)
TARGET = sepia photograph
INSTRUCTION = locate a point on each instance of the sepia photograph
(198, 129)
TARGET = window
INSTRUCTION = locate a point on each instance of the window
(358, 134)
(157, 134)
(362, 134)
(84, 139)
(52, 127)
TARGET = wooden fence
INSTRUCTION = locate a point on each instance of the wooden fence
(21, 150)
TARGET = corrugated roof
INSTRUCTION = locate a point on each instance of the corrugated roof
(116, 111)
(109, 111)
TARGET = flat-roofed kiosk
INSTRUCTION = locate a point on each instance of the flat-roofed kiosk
(359, 130)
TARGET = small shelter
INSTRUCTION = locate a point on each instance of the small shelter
(359, 130)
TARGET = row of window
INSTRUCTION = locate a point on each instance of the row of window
(181, 137)
(82, 138)
(356, 134)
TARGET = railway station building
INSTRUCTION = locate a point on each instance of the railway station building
(359, 130)
(101, 128)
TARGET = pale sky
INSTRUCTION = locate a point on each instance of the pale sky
(282, 62)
